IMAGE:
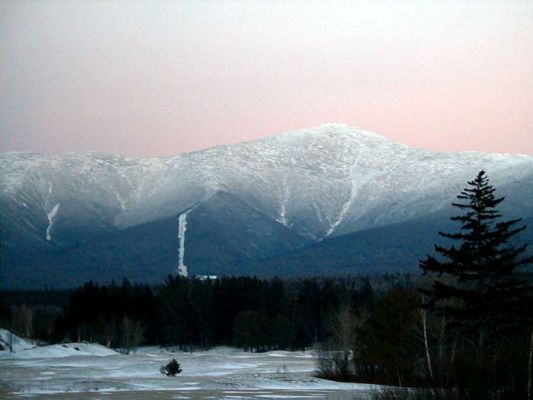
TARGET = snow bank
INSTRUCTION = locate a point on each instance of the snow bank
(60, 350)
(24, 349)
(17, 343)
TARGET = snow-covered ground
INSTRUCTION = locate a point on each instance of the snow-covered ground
(89, 371)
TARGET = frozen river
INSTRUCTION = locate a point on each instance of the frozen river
(57, 372)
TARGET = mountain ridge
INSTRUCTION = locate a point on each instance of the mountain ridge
(319, 183)
(126, 197)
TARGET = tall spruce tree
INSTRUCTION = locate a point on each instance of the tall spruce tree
(477, 285)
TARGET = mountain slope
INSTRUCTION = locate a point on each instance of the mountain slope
(293, 189)
(223, 234)
(386, 249)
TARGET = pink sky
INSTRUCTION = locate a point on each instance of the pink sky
(147, 78)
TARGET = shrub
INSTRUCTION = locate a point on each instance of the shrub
(171, 369)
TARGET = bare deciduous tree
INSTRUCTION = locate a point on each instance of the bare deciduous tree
(23, 319)
(132, 334)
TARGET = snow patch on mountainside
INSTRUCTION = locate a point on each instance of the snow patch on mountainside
(120, 201)
(284, 200)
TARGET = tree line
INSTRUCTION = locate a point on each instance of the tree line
(251, 313)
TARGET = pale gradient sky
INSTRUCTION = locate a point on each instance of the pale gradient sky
(146, 78)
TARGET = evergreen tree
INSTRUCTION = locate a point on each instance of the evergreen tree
(477, 284)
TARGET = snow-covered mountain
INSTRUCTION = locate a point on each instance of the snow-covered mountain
(310, 185)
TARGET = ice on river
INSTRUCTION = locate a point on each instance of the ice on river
(94, 372)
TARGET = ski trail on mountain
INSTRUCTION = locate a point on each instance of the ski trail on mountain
(182, 228)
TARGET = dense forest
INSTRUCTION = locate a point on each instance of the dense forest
(248, 312)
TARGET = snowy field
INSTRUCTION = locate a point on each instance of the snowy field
(89, 371)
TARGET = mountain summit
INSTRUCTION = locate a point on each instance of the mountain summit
(274, 196)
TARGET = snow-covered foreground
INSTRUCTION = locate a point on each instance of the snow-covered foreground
(54, 372)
